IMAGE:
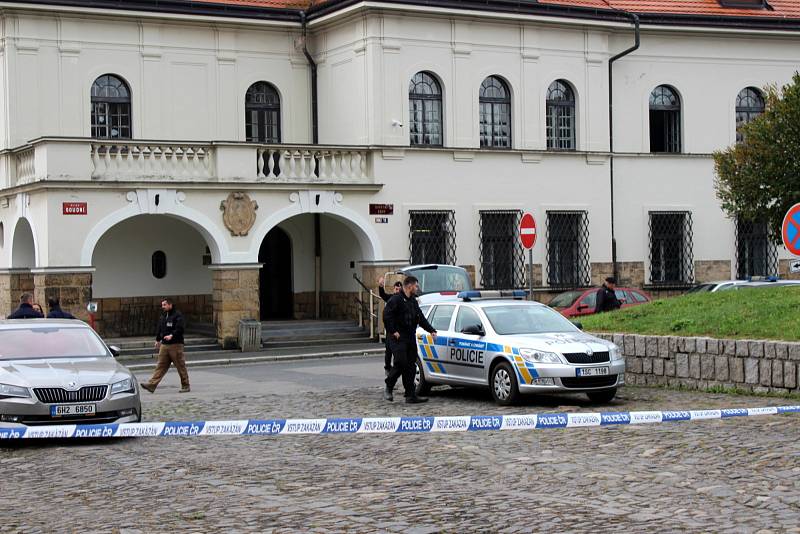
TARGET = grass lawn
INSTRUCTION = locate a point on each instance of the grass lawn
(770, 313)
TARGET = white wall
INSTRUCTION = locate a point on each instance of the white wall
(339, 248)
(187, 79)
(123, 259)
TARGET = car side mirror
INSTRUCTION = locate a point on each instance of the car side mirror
(114, 350)
(578, 324)
(474, 330)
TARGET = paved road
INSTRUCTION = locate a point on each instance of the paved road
(740, 475)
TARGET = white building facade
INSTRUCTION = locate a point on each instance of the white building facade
(200, 154)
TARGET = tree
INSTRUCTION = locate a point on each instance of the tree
(759, 178)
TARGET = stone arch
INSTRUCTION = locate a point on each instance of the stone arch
(327, 203)
(23, 245)
(158, 202)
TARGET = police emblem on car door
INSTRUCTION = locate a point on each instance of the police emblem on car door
(466, 348)
(434, 354)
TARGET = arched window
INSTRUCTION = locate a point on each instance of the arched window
(560, 116)
(159, 264)
(111, 108)
(749, 105)
(425, 110)
(495, 113)
(665, 120)
(262, 114)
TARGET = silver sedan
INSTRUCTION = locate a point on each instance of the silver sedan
(56, 371)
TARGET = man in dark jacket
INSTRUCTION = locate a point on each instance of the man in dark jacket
(25, 310)
(169, 341)
(55, 310)
(607, 298)
(401, 317)
(398, 286)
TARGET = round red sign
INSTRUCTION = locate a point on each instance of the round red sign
(790, 230)
(527, 231)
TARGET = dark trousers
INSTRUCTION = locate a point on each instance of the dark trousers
(405, 361)
(387, 357)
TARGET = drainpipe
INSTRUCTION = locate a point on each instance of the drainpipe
(611, 61)
(315, 141)
(313, 65)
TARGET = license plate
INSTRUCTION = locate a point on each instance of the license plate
(591, 371)
(67, 410)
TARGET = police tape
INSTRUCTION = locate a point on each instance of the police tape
(379, 425)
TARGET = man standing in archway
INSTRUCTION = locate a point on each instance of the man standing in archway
(169, 342)
(401, 317)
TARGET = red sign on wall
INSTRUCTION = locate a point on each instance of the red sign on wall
(74, 208)
(381, 209)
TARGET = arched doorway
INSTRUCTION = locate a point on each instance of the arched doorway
(23, 250)
(276, 276)
(143, 259)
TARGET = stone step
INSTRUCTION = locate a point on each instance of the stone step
(327, 341)
(144, 351)
(126, 343)
(322, 335)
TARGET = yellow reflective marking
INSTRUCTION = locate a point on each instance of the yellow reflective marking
(526, 375)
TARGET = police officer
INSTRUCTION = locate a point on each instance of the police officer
(398, 286)
(607, 298)
(401, 317)
(169, 342)
(26, 309)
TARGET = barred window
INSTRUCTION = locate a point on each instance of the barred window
(560, 116)
(671, 256)
(433, 237)
(111, 108)
(502, 257)
(425, 110)
(568, 249)
(749, 105)
(756, 255)
(262, 112)
(665, 120)
(495, 113)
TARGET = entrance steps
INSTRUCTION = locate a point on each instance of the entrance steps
(311, 333)
(136, 347)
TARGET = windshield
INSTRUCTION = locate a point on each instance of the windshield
(702, 288)
(565, 300)
(55, 342)
(440, 278)
(511, 320)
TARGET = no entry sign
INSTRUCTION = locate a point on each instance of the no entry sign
(527, 231)
(790, 231)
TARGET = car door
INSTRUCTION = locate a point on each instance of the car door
(434, 354)
(466, 353)
(587, 303)
(623, 297)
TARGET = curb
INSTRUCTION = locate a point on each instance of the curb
(270, 358)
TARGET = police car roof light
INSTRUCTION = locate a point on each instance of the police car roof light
(513, 294)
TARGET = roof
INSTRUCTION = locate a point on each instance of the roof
(779, 8)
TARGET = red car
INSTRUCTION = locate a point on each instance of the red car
(583, 301)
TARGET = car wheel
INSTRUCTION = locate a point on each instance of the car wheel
(503, 384)
(420, 384)
(603, 396)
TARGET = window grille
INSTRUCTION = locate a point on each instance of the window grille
(262, 114)
(425, 110)
(665, 120)
(671, 256)
(495, 113)
(560, 116)
(749, 105)
(756, 254)
(502, 255)
(432, 237)
(111, 108)
(568, 263)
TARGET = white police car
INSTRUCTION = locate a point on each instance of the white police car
(514, 347)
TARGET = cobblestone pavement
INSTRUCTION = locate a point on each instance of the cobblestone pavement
(740, 475)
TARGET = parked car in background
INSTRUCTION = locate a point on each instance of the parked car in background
(728, 285)
(436, 282)
(580, 302)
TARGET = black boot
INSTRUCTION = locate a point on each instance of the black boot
(416, 400)
(387, 394)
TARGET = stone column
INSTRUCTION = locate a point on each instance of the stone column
(13, 283)
(235, 296)
(71, 285)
